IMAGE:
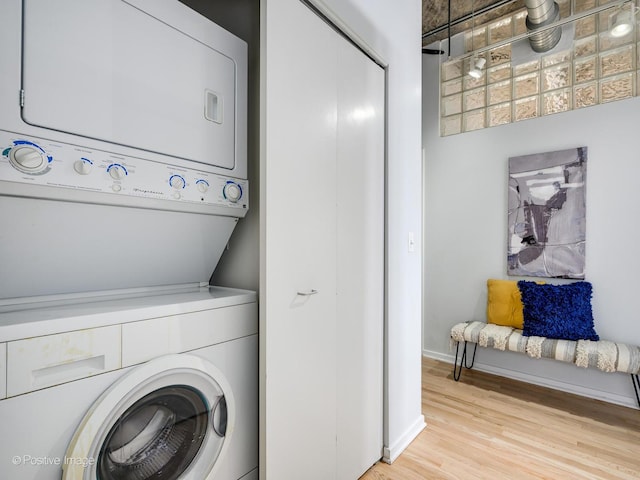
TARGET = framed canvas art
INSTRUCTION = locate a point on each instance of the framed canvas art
(546, 214)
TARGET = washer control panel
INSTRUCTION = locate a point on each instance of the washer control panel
(34, 161)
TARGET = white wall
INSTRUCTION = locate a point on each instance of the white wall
(465, 212)
(393, 30)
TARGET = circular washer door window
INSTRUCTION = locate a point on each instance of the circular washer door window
(168, 419)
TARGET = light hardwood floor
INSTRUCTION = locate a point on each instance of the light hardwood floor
(489, 427)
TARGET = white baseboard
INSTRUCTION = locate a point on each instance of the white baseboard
(542, 381)
(393, 452)
(444, 357)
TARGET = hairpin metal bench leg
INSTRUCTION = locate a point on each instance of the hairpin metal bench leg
(636, 386)
(457, 368)
(473, 358)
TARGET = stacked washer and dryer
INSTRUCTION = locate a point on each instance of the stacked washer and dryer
(123, 173)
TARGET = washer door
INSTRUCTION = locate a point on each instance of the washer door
(170, 418)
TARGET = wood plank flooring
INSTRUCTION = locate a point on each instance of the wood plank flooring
(489, 427)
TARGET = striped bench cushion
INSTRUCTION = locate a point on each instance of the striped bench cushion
(604, 355)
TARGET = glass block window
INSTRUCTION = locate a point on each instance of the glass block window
(596, 68)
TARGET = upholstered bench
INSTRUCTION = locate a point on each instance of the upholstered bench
(544, 321)
(602, 354)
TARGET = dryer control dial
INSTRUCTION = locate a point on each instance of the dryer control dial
(202, 186)
(232, 191)
(177, 182)
(117, 171)
(27, 159)
(83, 166)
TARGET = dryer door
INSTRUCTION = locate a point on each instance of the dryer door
(168, 419)
(109, 71)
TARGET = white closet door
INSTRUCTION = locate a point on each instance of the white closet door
(322, 229)
(360, 255)
(298, 333)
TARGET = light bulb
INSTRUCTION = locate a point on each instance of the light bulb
(621, 23)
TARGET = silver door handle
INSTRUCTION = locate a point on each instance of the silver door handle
(308, 294)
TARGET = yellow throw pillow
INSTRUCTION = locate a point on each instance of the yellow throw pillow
(504, 304)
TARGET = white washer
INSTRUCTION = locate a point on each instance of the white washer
(132, 385)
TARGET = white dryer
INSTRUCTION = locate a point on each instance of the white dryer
(123, 145)
(149, 384)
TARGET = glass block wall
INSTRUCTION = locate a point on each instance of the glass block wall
(596, 68)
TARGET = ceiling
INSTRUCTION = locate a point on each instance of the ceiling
(435, 14)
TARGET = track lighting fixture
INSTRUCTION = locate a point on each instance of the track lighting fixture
(477, 63)
(621, 21)
(475, 69)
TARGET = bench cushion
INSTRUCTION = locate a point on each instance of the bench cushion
(604, 355)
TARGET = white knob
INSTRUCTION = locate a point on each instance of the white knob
(177, 182)
(83, 167)
(202, 187)
(27, 159)
(232, 192)
(117, 172)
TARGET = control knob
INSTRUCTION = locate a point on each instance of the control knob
(83, 167)
(177, 182)
(27, 159)
(232, 191)
(202, 186)
(116, 171)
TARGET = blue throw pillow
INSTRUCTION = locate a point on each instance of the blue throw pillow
(558, 311)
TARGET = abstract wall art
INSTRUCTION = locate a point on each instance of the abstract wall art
(546, 214)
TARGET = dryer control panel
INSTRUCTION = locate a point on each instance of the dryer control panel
(39, 168)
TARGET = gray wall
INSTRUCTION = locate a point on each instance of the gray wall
(465, 215)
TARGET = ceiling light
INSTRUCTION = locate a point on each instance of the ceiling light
(621, 22)
(477, 65)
